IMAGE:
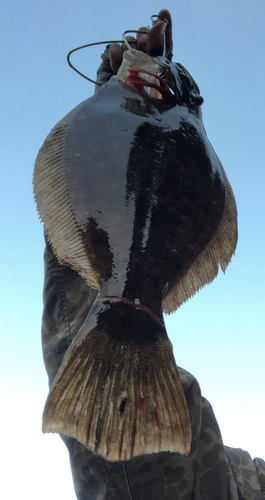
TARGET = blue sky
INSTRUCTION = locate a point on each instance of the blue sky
(219, 334)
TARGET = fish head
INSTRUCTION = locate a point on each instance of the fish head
(159, 79)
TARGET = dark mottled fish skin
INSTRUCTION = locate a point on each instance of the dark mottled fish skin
(167, 206)
(134, 198)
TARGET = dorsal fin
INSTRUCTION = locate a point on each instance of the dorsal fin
(54, 204)
(219, 251)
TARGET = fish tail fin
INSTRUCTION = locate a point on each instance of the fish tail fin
(119, 394)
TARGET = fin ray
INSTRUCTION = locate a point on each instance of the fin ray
(96, 375)
(219, 251)
(54, 204)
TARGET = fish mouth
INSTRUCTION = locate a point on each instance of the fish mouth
(144, 74)
(149, 84)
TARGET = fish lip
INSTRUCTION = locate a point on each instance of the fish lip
(135, 63)
(133, 80)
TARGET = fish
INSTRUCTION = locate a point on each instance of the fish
(134, 198)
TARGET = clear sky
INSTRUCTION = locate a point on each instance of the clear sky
(219, 334)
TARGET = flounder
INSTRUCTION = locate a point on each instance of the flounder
(134, 198)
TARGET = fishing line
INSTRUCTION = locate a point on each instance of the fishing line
(83, 47)
(128, 480)
(127, 42)
(124, 40)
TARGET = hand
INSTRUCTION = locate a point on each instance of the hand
(153, 40)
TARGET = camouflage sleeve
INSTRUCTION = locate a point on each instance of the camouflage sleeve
(104, 72)
(211, 471)
(260, 468)
(67, 300)
(248, 474)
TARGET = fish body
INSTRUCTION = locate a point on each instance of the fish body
(134, 198)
